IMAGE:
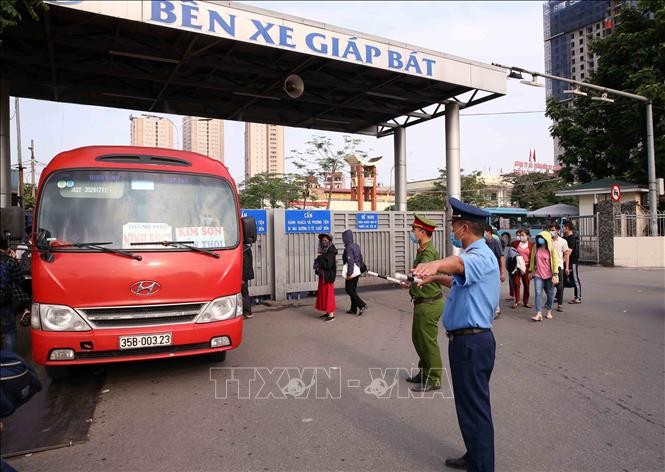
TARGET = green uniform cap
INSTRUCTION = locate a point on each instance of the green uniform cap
(424, 222)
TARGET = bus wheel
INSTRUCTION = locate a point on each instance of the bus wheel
(59, 372)
(217, 356)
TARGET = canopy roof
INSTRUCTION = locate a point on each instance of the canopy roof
(230, 61)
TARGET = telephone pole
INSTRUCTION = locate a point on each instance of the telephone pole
(20, 159)
(32, 168)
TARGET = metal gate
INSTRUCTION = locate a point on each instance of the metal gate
(283, 261)
(586, 228)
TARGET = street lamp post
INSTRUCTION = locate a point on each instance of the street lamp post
(651, 157)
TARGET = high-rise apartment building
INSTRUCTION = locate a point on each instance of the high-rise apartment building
(569, 27)
(203, 135)
(151, 132)
(264, 149)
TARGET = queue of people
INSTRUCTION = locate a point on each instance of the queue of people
(550, 260)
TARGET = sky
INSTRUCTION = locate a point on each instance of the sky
(492, 135)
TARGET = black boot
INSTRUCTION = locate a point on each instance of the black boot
(460, 463)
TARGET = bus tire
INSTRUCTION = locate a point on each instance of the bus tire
(56, 373)
(217, 356)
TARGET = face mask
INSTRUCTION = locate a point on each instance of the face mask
(455, 242)
(553, 234)
(540, 241)
(412, 238)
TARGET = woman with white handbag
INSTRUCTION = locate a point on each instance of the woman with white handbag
(354, 265)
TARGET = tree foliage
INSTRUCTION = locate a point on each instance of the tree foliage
(602, 139)
(12, 11)
(536, 190)
(272, 191)
(323, 160)
(435, 200)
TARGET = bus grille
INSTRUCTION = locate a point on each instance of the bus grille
(142, 315)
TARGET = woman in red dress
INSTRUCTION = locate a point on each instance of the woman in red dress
(325, 266)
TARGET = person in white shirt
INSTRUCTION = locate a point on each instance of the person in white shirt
(561, 245)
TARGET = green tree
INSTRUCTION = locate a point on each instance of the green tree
(272, 190)
(435, 200)
(323, 160)
(28, 199)
(472, 188)
(602, 139)
(536, 190)
(12, 11)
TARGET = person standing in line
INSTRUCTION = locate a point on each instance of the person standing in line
(495, 246)
(247, 275)
(325, 266)
(523, 247)
(573, 267)
(352, 256)
(427, 306)
(469, 312)
(563, 252)
(508, 254)
(544, 269)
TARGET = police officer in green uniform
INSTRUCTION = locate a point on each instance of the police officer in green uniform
(427, 307)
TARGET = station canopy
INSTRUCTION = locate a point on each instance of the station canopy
(230, 61)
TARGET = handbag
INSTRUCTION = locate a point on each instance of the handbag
(356, 270)
(363, 267)
(569, 280)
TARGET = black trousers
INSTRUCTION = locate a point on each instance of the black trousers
(574, 268)
(471, 363)
(351, 288)
(246, 301)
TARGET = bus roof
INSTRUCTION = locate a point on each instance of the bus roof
(506, 211)
(137, 158)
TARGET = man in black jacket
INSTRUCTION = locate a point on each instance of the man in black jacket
(247, 275)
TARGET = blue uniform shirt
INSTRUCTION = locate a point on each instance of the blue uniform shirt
(475, 294)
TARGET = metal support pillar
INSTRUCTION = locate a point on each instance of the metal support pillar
(651, 168)
(400, 169)
(5, 156)
(453, 169)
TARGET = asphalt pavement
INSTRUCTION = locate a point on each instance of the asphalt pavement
(584, 392)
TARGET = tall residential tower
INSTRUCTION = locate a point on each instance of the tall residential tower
(264, 149)
(151, 132)
(203, 135)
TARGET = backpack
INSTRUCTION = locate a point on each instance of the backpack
(18, 382)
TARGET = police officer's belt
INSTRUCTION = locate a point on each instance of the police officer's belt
(419, 300)
(465, 332)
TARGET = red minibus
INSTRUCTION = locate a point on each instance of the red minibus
(137, 254)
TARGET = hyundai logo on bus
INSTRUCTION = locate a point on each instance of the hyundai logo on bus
(145, 287)
(218, 21)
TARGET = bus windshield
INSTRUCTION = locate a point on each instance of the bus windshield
(126, 207)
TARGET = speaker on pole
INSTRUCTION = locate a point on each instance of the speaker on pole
(294, 86)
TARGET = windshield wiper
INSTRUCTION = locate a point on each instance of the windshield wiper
(100, 247)
(185, 244)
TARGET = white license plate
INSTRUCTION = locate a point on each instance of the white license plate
(145, 340)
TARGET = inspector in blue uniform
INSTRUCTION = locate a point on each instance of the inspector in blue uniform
(467, 317)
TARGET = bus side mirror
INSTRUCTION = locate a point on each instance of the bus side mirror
(248, 230)
(42, 240)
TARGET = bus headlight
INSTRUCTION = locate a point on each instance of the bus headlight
(61, 318)
(220, 309)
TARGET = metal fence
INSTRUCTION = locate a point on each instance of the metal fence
(283, 261)
(632, 226)
(586, 228)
